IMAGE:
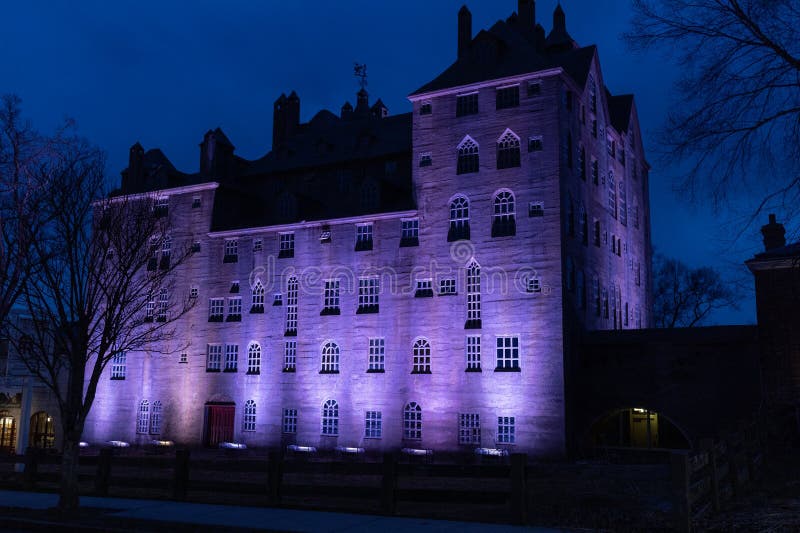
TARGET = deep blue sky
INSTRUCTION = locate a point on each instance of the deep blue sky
(162, 73)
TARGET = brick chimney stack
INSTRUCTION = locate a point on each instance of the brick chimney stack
(774, 234)
(464, 31)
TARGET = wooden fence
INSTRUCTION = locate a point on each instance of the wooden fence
(721, 469)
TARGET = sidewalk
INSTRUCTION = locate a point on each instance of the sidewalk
(253, 518)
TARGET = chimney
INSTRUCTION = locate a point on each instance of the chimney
(292, 114)
(559, 19)
(133, 176)
(278, 121)
(464, 31)
(774, 234)
(527, 13)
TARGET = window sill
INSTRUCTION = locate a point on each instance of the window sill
(471, 370)
(230, 370)
(289, 370)
(277, 303)
(421, 372)
(253, 372)
(473, 324)
(368, 310)
(328, 371)
(214, 370)
(376, 371)
(117, 378)
(424, 293)
(330, 311)
(448, 294)
(506, 369)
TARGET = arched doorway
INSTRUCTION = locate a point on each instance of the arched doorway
(218, 425)
(8, 432)
(636, 427)
(42, 434)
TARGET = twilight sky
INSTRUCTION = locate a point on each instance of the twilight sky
(162, 73)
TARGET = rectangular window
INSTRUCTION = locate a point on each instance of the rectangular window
(292, 289)
(466, 104)
(473, 353)
(377, 355)
(216, 309)
(331, 299)
(595, 172)
(184, 358)
(596, 232)
(469, 429)
(289, 424)
(161, 208)
(424, 288)
(149, 311)
(363, 237)
(231, 357)
(507, 353)
(534, 88)
(447, 286)
(194, 292)
(258, 245)
(373, 425)
(368, 290)
(196, 202)
(119, 365)
(234, 309)
(290, 356)
(594, 128)
(409, 235)
(506, 430)
(535, 144)
(534, 284)
(166, 252)
(425, 108)
(508, 97)
(231, 251)
(213, 358)
(286, 245)
(163, 305)
(536, 209)
(425, 159)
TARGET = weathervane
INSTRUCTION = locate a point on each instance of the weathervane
(360, 71)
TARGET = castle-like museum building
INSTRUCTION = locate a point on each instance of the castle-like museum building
(386, 281)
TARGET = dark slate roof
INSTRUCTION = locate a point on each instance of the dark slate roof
(620, 109)
(329, 140)
(506, 49)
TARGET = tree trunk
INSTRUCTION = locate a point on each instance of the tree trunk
(68, 499)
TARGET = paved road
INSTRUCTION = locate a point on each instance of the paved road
(257, 518)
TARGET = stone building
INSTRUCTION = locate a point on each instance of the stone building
(415, 280)
(28, 409)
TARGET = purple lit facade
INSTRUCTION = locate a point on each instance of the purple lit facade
(445, 261)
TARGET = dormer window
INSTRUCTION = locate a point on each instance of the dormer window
(508, 97)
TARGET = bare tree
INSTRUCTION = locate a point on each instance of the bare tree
(98, 291)
(685, 297)
(736, 118)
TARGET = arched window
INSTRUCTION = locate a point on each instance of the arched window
(422, 357)
(254, 358)
(42, 433)
(508, 150)
(291, 307)
(143, 417)
(330, 418)
(258, 298)
(412, 421)
(468, 161)
(459, 219)
(473, 295)
(330, 358)
(249, 418)
(504, 222)
(155, 418)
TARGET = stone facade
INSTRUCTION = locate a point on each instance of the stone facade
(557, 212)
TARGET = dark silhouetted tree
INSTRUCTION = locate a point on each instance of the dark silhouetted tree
(736, 115)
(684, 296)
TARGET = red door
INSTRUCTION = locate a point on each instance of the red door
(219, 423)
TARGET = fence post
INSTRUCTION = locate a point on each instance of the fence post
(519, 488)
(275, 475)
(180, 487)
(389, 484)
(31, 468)
(679, 463)
(707, 445)
(103, 473)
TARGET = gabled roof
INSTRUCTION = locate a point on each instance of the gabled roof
(620, 109)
